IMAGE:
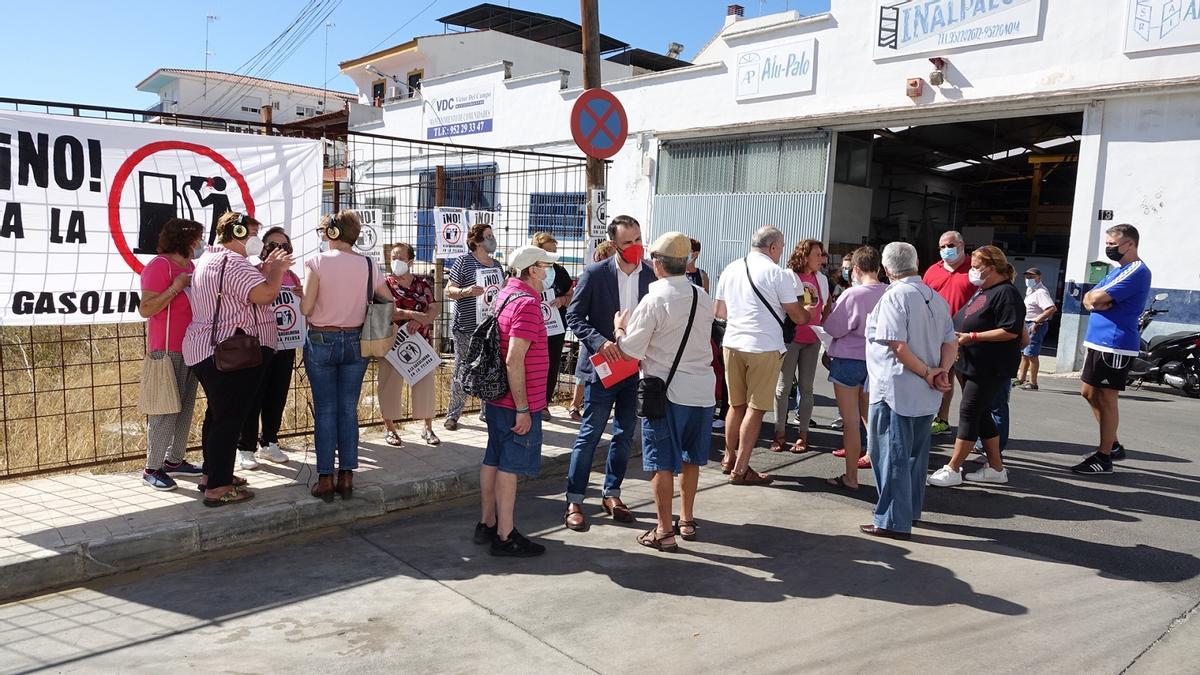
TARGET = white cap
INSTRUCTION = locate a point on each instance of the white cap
(527, 256)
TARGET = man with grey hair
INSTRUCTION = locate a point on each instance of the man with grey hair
(910, 348)
(754, 294)
(950, 279)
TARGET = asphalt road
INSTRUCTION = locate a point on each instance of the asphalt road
(1050, 573)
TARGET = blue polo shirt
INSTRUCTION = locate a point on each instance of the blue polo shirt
(1115, 330)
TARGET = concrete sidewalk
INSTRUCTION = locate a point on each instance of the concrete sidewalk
(65, 529)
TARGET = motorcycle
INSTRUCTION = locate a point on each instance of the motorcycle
(1172, 359)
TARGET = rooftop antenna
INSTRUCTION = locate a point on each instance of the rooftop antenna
(208, 20)
(325, 68)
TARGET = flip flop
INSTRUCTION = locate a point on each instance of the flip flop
(840, 483)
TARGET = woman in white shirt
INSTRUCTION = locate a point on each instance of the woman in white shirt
(1039, 307)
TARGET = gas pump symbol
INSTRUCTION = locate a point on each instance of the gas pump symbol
(158, 202)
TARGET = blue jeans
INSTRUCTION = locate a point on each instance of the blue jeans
(598, 403)
(999, 416)
(335, 368)
(899, 449)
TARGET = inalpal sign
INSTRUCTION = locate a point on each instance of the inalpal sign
(776, 71)
(911, 27)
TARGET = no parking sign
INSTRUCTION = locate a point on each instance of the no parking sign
(598, 123)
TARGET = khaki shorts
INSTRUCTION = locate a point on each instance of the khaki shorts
(750, 377)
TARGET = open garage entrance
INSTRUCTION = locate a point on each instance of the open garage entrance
(1008, 182)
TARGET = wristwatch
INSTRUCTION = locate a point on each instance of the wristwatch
(523, 411)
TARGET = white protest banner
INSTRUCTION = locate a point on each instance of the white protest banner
(288, 320)
(491, 280)
(911, 27)
(82, 203)
(551, 315)
(412, 357)
(369, 242)
(450, 232)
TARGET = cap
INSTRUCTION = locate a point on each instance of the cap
(527, 256)
(1033, 270)
(672, 245)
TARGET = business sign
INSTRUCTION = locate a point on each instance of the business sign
(412, 357)
(1161, 24)
(911, 27)
(288, 320)
(83, 201)
(461, 113)
(776, 71)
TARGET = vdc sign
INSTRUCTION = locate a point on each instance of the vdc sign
(780, 70)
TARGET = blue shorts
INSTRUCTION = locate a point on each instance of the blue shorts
(1034, 348)
(848, 372)
(684, 436)
(507, 451)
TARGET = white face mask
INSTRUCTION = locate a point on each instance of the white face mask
(399, 268)
(975, 276)
(254, 246)
(323, 247)
(548, 282)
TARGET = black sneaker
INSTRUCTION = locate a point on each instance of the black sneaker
(517, 546)
(1097, 463)
(1117, 453)
(184, 468)
(484, 534)
(158, 479)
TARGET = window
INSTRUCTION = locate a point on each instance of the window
(414, 82)
(378, 91)
(562, 214)
(853, 165)
(251, 104)
(467, 187)
(305, 111)
(748, 165)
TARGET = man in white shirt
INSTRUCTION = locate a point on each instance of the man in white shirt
(669, 333)
(753, 295)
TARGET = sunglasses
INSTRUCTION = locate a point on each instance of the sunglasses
(267, 249)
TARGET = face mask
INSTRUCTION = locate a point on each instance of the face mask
(1113, 253)
(254, 246)
(551, 276)
(632, 254)
(845, 274)
(975, 276)
(323, 247)
(399, 268)
(1030, 283)
(950, 253)
(489, 245)
(198, 251)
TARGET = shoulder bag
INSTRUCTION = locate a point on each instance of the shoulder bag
(378, 331)
(159, 390)
(240, 350)
(652, 391)
(786, 325)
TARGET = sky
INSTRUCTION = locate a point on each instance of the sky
(83, 51)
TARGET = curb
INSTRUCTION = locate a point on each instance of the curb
(85, 561)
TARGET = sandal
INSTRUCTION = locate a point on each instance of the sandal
(682, 526)
(727, 466)
(750, 477)
(238, 482)
(431, 438)
(231, 496)
(653, 539)
(799, 447)
(840, 452)
(393, 439)
(777, 445)
(576, 415)
(840, 483)
(864, 462)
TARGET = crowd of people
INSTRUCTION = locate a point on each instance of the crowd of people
(895, 343)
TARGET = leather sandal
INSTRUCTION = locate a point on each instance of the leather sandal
(654, 539)
(615, 508)
(799, 447)
(238, 482)
(682, 526)
(575, 520)
(750, 477)
(778, 444)
(727, 466)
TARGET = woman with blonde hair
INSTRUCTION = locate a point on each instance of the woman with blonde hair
(988, 329)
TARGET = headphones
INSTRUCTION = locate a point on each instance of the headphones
(240, 231)
(333, 231)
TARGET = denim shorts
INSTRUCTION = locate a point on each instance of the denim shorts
(1036, 335)
(848, 372)
(506, 450)
(683, 436)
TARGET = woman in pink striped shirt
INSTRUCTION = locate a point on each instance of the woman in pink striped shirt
(229, 295)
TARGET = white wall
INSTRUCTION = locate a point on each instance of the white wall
(189, 92)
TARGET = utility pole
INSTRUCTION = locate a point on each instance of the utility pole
(208, 20)
(589, 19)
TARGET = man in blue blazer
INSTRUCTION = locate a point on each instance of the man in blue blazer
(603, 289)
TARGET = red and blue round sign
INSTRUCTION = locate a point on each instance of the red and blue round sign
(598, 124)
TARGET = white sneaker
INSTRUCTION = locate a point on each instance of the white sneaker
(246, 460)
(988, 475)
(272, 453)
(945, 477)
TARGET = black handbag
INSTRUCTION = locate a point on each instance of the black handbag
(238, 351)
(786, 325)
(652, 391)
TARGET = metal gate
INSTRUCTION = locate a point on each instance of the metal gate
(719, 192)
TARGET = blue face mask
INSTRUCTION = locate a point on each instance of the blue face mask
(845, 274)
(198, 251)
(949, 254)
(1030, 283)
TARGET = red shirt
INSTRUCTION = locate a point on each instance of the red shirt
(955, 287)
(522, 318)
(417, 298)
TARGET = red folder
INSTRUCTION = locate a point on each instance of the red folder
(612, 372)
